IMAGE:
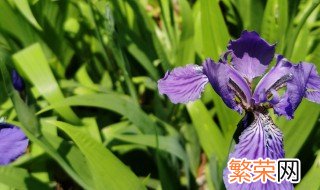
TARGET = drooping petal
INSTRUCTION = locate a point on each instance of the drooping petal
(227, 83)
(277, 76)
(284, 185)
(183, 84)
(305, 83)
(261, 139)
(251, 54)
(13, 143)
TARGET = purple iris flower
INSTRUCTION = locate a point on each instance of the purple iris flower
(13, 143)
(281, 88)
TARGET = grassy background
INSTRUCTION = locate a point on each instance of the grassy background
(92, 110)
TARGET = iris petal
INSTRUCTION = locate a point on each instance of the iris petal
(251, 54)
(261, 139)
(279, 74)
(313, 85)
(238, 83)
(183, 84)
(305, 83)
(260, 186)
(13, 143)
(221, 76)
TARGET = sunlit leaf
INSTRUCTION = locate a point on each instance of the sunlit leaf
(107, 171)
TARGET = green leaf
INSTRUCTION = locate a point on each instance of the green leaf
(296, 131)
(215, 34)
(14, 25)
(311, 179)
(19, 178)
(108, 172)
(251, 13)
(143, 59)
(198, 29)
(115, 102)
(70, 153)
(228, 118)
(210, 136)
(185, 51)
(34, 65)
(301, 48)
(30, 126)
(92, 128)
(167, 15)
(296, 30)
(164, 143)
(275, 22)
(215, 38)
(24, 8)
(192, 147)
(167, 171)
(315, 56)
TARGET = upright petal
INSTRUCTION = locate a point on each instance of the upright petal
(227, 83)
(261, 139)
(251, 54)
(277, 76)
(183, 84)
(305, 83)
(13, 143)
(313, 85)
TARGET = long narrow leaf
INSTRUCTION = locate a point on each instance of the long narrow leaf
(115, 102)
(107, 171)
(19, 178)
(33, 63)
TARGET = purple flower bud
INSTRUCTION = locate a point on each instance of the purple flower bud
(17, 81)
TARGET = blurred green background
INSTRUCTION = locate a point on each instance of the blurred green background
(92, 110)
